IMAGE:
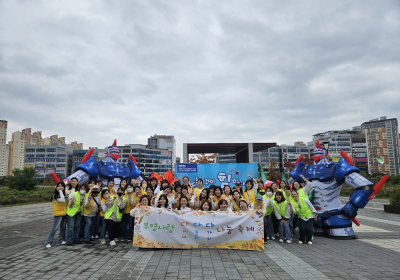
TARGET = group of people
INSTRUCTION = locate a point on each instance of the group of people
(91, 211)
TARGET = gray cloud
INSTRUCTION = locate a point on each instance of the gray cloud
(203, 71)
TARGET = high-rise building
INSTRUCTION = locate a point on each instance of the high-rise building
(359, 150)
(26, 133)
(17, 151)
(45, 159)
(290, 154)
(53, 138)
(76, 146)
(382, 137)
(337, 140)
(268, 158)
(46, 141)
(164, 142)
(148, 160)
(3, 149)
(36, 138)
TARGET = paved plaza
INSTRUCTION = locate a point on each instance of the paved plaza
(23, 231)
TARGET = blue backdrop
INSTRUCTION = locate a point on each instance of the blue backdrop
(216, 174)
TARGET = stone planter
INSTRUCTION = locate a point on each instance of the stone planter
(392, 208)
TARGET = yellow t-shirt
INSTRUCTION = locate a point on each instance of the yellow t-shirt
(249, 196)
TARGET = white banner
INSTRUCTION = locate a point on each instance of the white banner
(158, 228)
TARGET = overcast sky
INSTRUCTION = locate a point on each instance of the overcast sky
(203, 71)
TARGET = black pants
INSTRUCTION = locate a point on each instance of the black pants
(275, 222)
(306, 229)
(113, 229)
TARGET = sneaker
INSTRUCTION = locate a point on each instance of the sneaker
(48, 246)
(309, 243)
(112, 243)
(300, 242)
(88, 242)
(129, 239)
(79, 242)
(276, 234)
(97, 237)
(312, 237)
(273, 238)
(116, 239)
(92, 237)
(265, 242)
(63, 242)
(281, 240)
(103, 241)
(289, 241)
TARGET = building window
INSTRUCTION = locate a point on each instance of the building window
(40, 150)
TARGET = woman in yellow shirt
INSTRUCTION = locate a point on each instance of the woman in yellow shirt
(249, 194)
(235, 206)
(218, 195)
(59, 212)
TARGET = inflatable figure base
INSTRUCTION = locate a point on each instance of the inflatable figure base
(335, 227)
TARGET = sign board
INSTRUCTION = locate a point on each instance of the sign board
(217, 174)
(161, 228)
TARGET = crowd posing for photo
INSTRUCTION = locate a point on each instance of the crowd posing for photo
(84, 213)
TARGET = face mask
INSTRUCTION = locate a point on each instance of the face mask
(130, 190)
(120, 194)
(269, 193)
(106, 196)
(82, 191)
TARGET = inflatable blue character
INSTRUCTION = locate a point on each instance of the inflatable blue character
(326, 178)
(104, 170)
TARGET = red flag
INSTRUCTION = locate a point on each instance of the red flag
(156, 175)
(169, 176)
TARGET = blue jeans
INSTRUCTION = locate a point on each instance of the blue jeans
(89, 226)
(284, 230)
(59, 222)
(103, 228)
(268, 227)
(73, 228)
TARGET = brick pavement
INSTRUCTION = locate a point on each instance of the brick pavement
(23, 230)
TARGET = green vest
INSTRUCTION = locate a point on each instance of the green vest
(303, 211)
(270, 209)
(302, 194)
(72, 211)
(108, 213)
(281, 208)
(290, 198)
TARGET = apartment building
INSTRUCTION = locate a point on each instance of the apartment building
(4, 152)
(382, 138)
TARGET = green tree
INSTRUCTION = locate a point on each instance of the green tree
(3, 181)
(23, 179)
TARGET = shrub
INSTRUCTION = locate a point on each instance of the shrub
(394, 199)
(39, 194)
(23, 179)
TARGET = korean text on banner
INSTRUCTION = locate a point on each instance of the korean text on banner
(216, 174)
(160, 228)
